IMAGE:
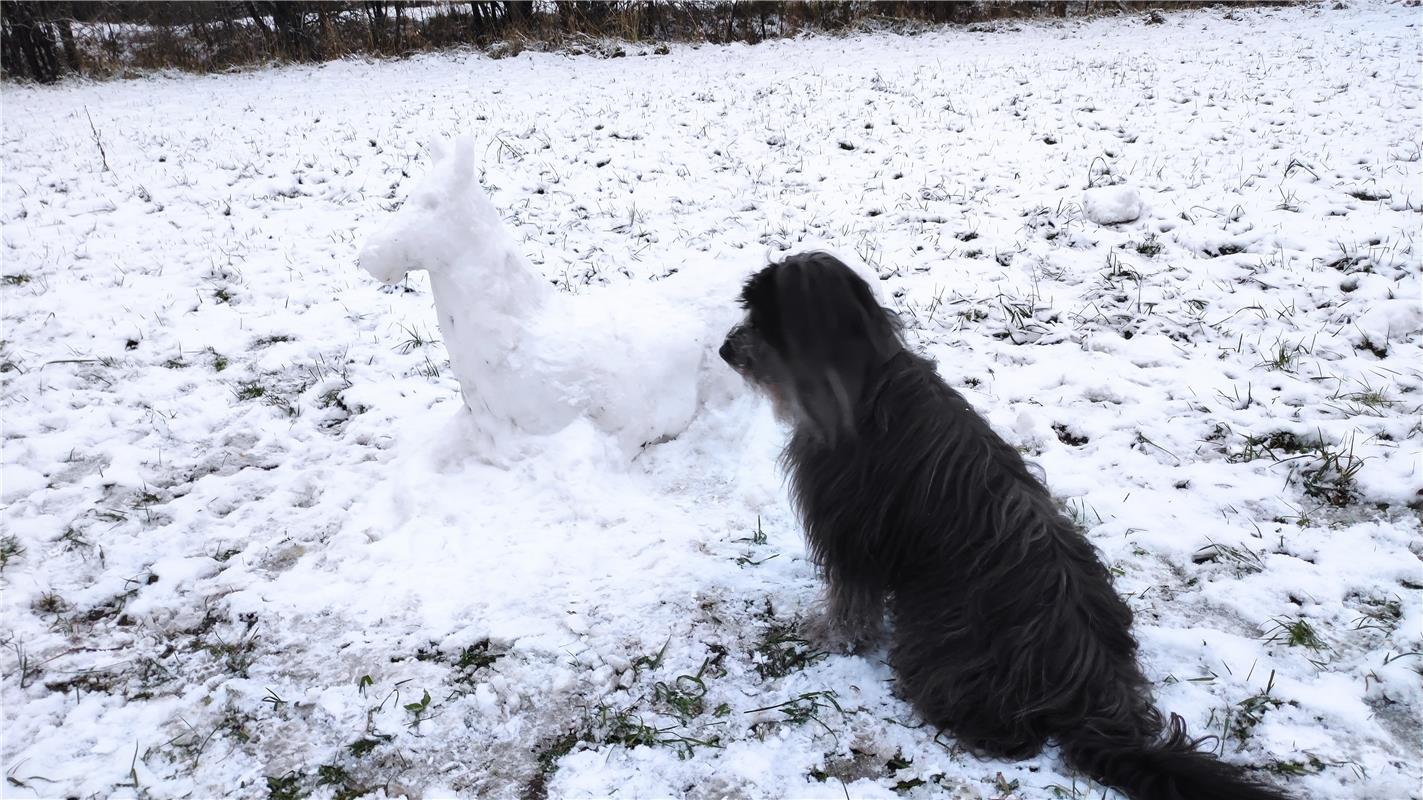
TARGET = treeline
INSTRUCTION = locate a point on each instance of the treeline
(44, 41)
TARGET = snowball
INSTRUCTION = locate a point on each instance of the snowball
(1389, 320)
(1109, 205)
(1029, 429)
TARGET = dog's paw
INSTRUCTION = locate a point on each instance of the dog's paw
(835, 634)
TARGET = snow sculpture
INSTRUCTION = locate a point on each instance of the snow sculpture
(530, 360)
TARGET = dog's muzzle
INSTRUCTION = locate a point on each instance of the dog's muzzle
(733, 350)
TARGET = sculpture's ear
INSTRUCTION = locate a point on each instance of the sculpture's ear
(452, 166)
(438, 149)
(460, 153)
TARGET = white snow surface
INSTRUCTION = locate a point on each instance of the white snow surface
(249, 526)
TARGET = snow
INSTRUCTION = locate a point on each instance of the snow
(259, 523)
(1111, 205)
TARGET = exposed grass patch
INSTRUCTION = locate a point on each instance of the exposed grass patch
(1247, 561)
(428, 369)
(363, 746)
(756, 539)
(650, 661)
(1296, 633)
(250, 390)
(50, 603)
(758, 536)
(1367, 401)
(332, 398)
(806, 707)
(1276, 446)
(1309, 766)
(238, 656)
(782, 651)
(1350, 259)
(1240, 722)
(861, 764)
(684, 698)
(1378, 350)
(1326, 472)
(418, 709)
(286, 787)
(627, 728)
(1081, 513)
(1332, 477)
(1283, 357)
(430, 652)
(466, 662)
(1370, 195)
(1381, 614)
(1067, 437)
(336, 775)
(224, 554)
(75, 540)
(96, 682)
(414, 339)
(16, 279)
(10, 550)
(547, 759)
(1150, 247)
(281, 391)
(476, 656)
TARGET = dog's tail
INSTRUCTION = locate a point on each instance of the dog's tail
(1166, 769)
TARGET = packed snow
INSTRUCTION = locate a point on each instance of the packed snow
(255, 543)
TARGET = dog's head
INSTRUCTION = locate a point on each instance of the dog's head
(812, 338)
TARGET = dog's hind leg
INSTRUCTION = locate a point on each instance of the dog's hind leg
(954, 688)
(847, 619)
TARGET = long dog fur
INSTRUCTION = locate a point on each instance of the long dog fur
(1006, 629)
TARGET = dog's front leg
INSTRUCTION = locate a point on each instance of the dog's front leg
(848, 619)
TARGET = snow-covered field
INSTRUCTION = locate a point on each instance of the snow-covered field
(247, 550)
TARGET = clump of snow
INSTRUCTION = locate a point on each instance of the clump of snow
(1112, 205)
(1389, 320)
(530, 360)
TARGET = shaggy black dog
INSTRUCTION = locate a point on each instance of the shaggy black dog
(1006, 630)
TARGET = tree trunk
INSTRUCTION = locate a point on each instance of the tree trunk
(28, 43)
(399, 27)
(294, 36)
(256, 15)
(518, 13)
(65, 24)
(375, 21)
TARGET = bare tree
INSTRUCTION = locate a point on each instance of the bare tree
(27, 42)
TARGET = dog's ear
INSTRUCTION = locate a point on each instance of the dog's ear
(829, 332)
